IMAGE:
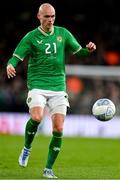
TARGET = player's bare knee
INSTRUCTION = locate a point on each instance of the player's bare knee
(36, 117)
(58, 129)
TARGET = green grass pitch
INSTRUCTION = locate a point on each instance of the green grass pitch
(80, 158)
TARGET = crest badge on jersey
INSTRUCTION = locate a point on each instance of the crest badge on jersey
(59, 38)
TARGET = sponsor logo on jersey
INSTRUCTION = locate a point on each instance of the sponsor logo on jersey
(59, 38)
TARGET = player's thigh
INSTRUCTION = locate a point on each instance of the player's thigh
(58, 104)
(36, 103)
(37, 113)
(35, 99)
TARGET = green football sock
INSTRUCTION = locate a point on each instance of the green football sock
(30, 131)
(54, 149)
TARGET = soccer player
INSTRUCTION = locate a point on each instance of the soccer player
(45, 46)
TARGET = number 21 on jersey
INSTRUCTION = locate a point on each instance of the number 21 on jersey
(49, 47)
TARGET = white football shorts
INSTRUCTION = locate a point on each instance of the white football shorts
(56, 101)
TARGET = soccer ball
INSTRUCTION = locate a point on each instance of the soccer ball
(103, 109)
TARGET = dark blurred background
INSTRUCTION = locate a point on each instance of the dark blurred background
(95, 20)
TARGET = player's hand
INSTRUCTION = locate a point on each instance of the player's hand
(11, 72)
(91, 46)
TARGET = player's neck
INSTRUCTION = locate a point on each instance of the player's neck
(46, 29)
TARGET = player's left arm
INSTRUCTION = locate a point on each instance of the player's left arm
(84, 52)
(75, 48)
(91, 46)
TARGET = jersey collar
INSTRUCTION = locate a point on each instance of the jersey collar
(44, 33)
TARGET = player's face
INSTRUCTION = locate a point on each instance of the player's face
(47, 18)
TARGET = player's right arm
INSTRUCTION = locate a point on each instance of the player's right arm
(11, 72)
(21, 51)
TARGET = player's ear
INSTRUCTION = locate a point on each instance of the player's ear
(38, 15)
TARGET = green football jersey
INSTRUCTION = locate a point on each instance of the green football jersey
(46, 55)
